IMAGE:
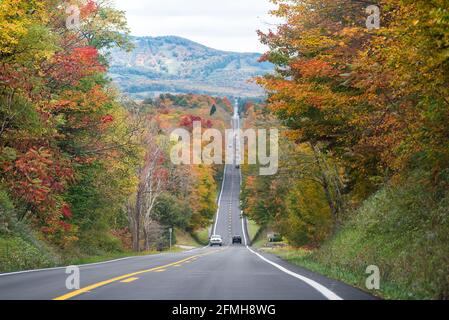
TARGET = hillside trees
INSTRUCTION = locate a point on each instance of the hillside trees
(153, 180)
(203, 197)
(296, 202)
(62, 130)
(349, 91)
(311, 93)
(369, 104)
(169, 195)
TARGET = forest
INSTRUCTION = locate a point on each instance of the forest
(360, 93)
(84, 170)
(365, 153)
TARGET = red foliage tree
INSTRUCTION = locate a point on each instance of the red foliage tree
(188, 121)
(68, 68)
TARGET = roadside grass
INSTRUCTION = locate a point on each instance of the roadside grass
(20, 254)
(184, 238)
(201, 236)
(22, 249)
(253, 229)
(258, 243)
(305, 258)
(403, 230)
(117, 255)
(260, 240)
(17, 253)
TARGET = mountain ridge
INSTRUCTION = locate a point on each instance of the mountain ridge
(173, 64)
(186, 40)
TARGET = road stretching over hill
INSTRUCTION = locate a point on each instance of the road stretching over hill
(227, 273)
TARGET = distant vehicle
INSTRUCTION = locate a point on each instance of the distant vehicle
(237, 166)
(216, 240)
(274, 237)
(236, 239)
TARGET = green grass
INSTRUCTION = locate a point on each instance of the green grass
(202, 236)
(183, 238)
(253, 229)
(306, 259)
(403, 230)
(260, 240)
(16, 253)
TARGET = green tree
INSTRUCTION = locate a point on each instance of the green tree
(213, 110)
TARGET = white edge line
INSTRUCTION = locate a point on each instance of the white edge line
(126, 258)
(104, 262)
(320, 288)
(243, 231)
(93, 264)
(61, 268)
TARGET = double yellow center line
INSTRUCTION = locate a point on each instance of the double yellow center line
(130, 275)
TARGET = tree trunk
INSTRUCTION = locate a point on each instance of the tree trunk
(137, 217)
(147, 241)
(135, 236)
(327, 188)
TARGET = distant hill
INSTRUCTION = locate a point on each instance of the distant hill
(177, 65)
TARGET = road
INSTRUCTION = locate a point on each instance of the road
(227, 273)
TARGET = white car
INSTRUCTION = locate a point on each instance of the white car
(216, 240)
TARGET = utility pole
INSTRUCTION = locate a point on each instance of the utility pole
(171, 233)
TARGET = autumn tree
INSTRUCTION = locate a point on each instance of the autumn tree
(369, 101)
(61, 127)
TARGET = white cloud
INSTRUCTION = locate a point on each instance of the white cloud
(222, 24)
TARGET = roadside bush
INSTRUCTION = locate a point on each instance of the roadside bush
(307, 219)
(7, 215)
(99, 243)
(18, 254)
(404, 230)
(20, 248)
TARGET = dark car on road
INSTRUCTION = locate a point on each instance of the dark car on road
(237, 239)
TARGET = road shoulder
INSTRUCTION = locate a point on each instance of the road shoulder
(343, 290)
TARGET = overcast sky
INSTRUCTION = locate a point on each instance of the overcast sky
(221, 24)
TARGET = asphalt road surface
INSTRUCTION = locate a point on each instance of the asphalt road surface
(232, 272)
(227, 273)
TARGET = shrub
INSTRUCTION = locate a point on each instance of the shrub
(99, 243)
(18, 254)
(404, 230)
(7, 215)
